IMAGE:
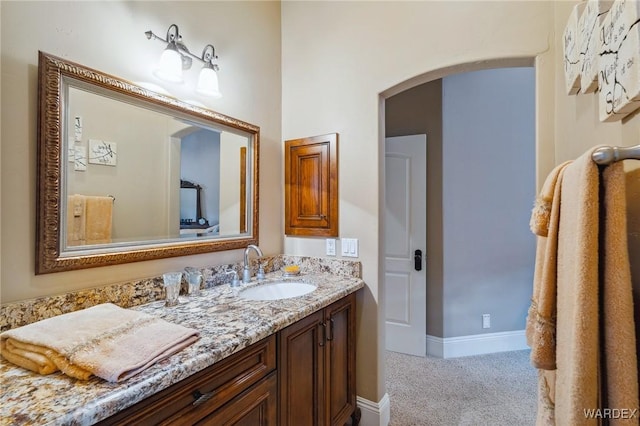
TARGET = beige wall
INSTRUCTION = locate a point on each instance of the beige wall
(337, 60)
(110, 36)
(331, 83)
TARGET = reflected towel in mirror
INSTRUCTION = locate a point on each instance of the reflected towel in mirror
(99, 219)
(89, 219)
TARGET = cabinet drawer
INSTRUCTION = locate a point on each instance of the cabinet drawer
(257, 406)
(199, 395)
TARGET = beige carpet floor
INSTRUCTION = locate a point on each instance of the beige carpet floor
(494, 390)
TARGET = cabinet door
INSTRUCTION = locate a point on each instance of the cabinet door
(257, 406)
(317, 359)
(301, 369)
(311, 186)
(341, 360)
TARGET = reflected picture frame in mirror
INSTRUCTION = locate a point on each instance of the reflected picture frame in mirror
(56, 170)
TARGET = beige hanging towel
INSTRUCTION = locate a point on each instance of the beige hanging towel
(595, 346)
(105, 340)
(576, 387)
(619, 363)
(541, 319)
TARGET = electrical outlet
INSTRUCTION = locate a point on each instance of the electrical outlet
(331, 247)
(486, 320)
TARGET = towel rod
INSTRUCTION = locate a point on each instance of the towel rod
(610, 154)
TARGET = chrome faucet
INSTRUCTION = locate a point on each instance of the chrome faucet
(246, 272)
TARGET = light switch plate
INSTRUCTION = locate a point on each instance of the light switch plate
(331, 247)
(349, 247)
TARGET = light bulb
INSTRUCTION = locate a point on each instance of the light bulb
(208, 82)
(170, 66)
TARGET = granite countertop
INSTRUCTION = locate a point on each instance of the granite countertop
(226, 323)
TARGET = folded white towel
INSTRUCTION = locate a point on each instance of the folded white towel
(105, 340)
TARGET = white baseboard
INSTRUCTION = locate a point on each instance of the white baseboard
(374, 413)
(477, 344)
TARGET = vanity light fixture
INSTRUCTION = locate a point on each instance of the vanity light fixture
(208, 78)
(176, 57)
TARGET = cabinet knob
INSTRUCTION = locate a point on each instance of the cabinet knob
(201, 398)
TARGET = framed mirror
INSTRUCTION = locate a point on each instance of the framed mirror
(127, 174)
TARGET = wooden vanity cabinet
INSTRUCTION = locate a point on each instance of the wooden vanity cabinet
(316, 366)
(302, 375)
(239, 389)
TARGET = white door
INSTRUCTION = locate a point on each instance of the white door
(405, 234)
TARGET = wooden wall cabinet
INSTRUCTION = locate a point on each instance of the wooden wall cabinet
(316, 366)
(311, 186)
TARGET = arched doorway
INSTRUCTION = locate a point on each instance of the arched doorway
(444, 186)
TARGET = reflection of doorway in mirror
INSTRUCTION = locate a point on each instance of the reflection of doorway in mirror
(200, 164)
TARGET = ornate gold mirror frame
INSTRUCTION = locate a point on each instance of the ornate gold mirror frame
(51, 255)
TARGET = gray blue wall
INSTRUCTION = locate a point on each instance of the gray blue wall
(488, 191)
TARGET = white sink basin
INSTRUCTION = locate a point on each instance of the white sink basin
(277, 290)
